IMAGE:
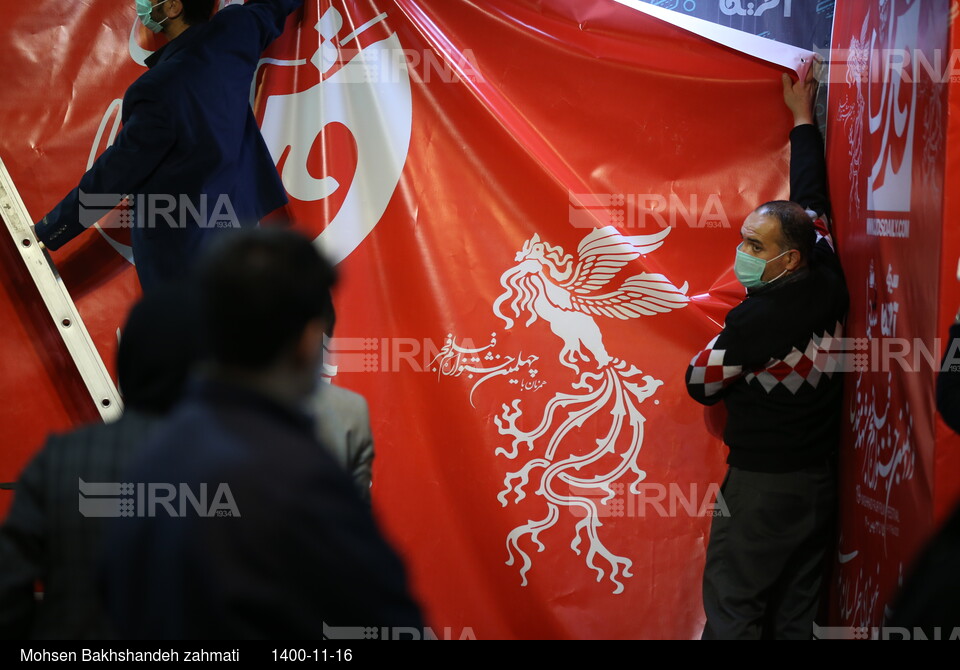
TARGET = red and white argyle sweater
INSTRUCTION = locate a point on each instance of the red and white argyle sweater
(775, 364)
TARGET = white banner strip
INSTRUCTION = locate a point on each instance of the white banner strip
(778, 53)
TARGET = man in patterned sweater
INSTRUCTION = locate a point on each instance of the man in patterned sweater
(772, 367)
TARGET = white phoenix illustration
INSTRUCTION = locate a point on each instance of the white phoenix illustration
(546, 284)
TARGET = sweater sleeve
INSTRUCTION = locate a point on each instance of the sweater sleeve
(711, 371)
(808, 181)
(737, 351)
(808, 169)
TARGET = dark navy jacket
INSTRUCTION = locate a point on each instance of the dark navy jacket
(45, 537)
(292, 550)
(190, 151)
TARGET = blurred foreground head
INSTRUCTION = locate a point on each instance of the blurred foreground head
(159, 346)
(265, 303)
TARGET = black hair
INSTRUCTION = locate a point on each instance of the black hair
(796, 226)
(197, 11)
(258, 290)
(159, 346)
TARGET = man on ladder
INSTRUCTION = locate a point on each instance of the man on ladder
(190, 155)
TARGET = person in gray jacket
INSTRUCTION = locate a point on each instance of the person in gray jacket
(343, 423)
(343, 426)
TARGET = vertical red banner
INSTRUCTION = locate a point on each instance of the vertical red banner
(886, 145)
(947, 457)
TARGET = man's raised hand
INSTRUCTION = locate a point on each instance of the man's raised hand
(799, 97)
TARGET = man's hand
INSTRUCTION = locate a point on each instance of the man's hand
(33, 229)
(799, 97)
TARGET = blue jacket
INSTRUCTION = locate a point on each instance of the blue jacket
(190, 153)
(281, 547)
(45, 537)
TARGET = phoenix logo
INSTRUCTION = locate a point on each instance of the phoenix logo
(564, 469)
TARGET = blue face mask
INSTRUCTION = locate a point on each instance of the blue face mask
(144, 11)
(749, 269)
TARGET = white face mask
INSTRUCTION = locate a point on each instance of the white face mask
(145, 11)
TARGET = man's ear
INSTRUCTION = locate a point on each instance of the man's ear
(173, 9)
(309, 347)
(793, 260)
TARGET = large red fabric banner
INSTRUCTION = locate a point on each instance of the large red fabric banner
(535, 207)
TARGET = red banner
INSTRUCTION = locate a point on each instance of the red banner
(519, 446)
(947, 457)
(535, 206)
(887, 141)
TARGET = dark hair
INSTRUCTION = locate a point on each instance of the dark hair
(258, 290)
(796, 226)
(197, 11)
(158, 348)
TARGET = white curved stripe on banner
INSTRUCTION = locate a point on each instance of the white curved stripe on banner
(771, 51)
